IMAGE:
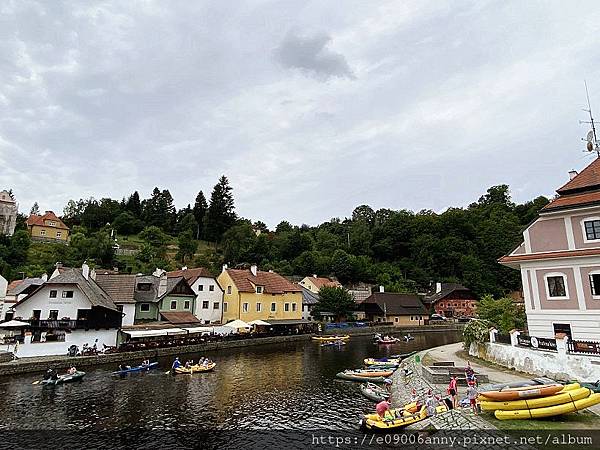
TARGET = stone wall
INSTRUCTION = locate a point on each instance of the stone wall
(555, 365)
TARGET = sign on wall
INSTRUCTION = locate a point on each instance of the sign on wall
(535, 342)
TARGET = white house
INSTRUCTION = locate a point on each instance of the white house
(18, 290)
(3, 289)
(309, 300)
(71, 308)
(209, 294)
(559, 260)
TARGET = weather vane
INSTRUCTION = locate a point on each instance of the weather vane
(592, 142)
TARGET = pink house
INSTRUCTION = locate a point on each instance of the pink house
(559, 261)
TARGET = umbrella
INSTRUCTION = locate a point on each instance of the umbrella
(259, 322)
(13, 324)
(237, 324)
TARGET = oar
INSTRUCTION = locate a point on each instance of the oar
(168, 372)
(37, 382)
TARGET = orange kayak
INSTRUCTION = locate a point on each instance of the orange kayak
(523, 392)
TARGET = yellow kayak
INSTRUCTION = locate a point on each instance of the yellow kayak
(196, 369)
(552, 400)
(538, 413)
(398, 418)
(331, 338)
(381, 362)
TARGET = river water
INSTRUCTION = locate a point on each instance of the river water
(288, 386)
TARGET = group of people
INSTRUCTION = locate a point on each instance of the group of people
(472, 392)
(52, 374)
(204, 362)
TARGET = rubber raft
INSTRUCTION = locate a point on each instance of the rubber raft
(195, 369)
(395, 419)
(141, 368)
(68, 378)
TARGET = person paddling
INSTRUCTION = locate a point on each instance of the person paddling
(382, 408)
(176, 364)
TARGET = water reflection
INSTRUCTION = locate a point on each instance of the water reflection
(288, 386)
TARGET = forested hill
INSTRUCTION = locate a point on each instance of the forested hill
(402, 250)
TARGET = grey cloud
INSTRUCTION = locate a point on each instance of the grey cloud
(310, 53)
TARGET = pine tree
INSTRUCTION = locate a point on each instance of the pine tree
(35, 209)
(199, 212)
(221, 211)
(133, 205)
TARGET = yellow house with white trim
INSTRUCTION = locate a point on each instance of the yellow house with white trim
(252, 294)
(47, 228)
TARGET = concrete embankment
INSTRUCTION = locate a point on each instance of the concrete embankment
(40, 364)
(398, 331)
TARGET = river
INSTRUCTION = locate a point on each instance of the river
(288, 386)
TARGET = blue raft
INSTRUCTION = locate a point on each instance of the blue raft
(141, 368)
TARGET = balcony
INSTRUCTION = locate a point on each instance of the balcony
(68, 324)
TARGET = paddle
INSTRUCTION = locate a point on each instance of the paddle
(37, 382)
(168, 372)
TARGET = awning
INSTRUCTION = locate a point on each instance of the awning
(259, 322)
(145, 333)
(173, 331)
(196, 330)
(237, 324)
(13, 324)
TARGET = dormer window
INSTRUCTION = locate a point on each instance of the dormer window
(259, 289)
(144, 286)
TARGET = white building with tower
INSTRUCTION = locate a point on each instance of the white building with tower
(8, 213)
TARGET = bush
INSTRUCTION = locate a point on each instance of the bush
(476, 331)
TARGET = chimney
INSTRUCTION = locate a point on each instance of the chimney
(572, 174)
(254, 269)
(224, 268)
(58, 265)
(381, 289)
(158, 272)
(93, 274)
(116, 269)
(315, 275)
(44, 277)
(85, 271)
(270, 270)
(162, 284)
(438, 287)
(184, 268)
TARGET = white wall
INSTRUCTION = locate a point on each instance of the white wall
(210, 314)
(306, 312)
(77, 337)
(129, 314)
(67, 307)
(558, 366)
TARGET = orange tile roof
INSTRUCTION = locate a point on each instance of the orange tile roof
(34, 219)
(273, 283)
(572, 200)
(549, 255)
(587, 179)
(13, 284)
(319, 282)
(180, 317)
(190, 275)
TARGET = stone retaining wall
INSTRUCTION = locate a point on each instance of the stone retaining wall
(393, 330)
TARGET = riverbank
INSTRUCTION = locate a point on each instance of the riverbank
(40, 364)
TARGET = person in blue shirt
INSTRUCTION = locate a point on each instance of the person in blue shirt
(176, 363)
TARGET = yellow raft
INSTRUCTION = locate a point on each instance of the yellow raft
(398, 418)
(196, 369)
(331, 338)
(538, 413)
(552, 400)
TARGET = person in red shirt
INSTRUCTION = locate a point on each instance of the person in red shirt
(453, 391)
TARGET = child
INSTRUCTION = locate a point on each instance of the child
(472, 396)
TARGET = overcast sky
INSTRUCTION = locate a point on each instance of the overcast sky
(310, 108)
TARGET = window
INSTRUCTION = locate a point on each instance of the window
(562, 328)
(42, 232)
(229, 289)
(186, 304)
(224, 307)
(173, 304)
(273, 307)
(205, 304)
(37, 314)
(211, 288)
(592, 229)
(53, 293)
(144, 286)
(216, 305)
(144, 307)
(120, 308)
(595, 283)
(259, 289)
(67, 294)
(58, 234)
(52, 223)
(395, 319)
(258, 307)
(293, 307)
(200, 287)
(206, 322)
(556, 286)
(53, 314)
(245, 307)
(286, 307)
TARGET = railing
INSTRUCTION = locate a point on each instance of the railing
(583, 347)
(68, 324)
(538, 343)
(503, 338)
(357, 324)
